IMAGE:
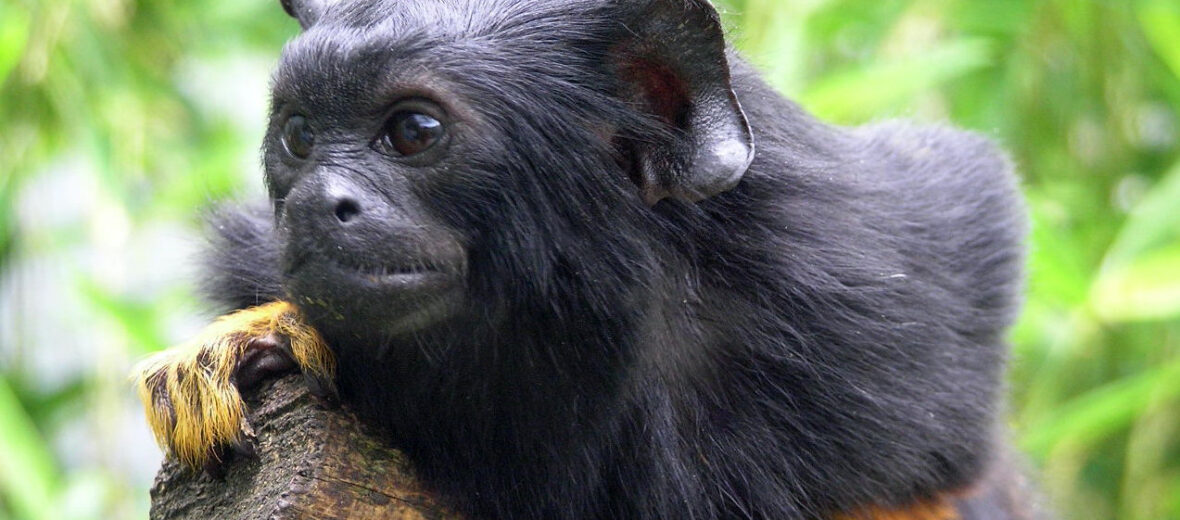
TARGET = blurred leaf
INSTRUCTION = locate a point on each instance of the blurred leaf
(44, 404)
(140, 321)
(87, 494)
(14, 34)
(1103, 411)
(1058, 273)
(1174, 493)
(1161, 23)
(1000, 17)
(27, 475)
(859, 94)
(1147, 288)
(1140, 276)
(774, 35)
(1155, 221)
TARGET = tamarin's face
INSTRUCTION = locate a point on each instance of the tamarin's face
(362, 138)
(434, 160)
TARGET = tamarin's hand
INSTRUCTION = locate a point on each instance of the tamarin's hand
(192, 392)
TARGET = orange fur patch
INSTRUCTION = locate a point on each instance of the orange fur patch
(929, 510)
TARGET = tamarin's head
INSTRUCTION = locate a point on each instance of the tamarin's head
(432, 159)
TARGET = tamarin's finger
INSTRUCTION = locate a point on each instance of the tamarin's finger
(265, 357)
(322, 388)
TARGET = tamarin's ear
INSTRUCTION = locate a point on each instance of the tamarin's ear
(306, 11)
(670, 59)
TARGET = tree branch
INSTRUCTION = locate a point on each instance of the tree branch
(312, 463)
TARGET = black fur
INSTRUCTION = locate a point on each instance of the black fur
(826, 335)
(242, 258)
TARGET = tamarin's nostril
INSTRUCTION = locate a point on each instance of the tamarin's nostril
(347, 209)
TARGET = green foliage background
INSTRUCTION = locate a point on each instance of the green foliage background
(121, 119)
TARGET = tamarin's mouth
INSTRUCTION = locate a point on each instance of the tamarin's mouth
(382, 270)
(400, 298)
(405, 277)
(397, 276)
(372, 266)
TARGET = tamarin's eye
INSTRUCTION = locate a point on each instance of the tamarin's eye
(411, 133)
(298, 138)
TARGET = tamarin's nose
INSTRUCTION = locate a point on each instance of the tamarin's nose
(339, 210)
(347, 208)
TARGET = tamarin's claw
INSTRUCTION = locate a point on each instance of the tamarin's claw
(191, 392)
